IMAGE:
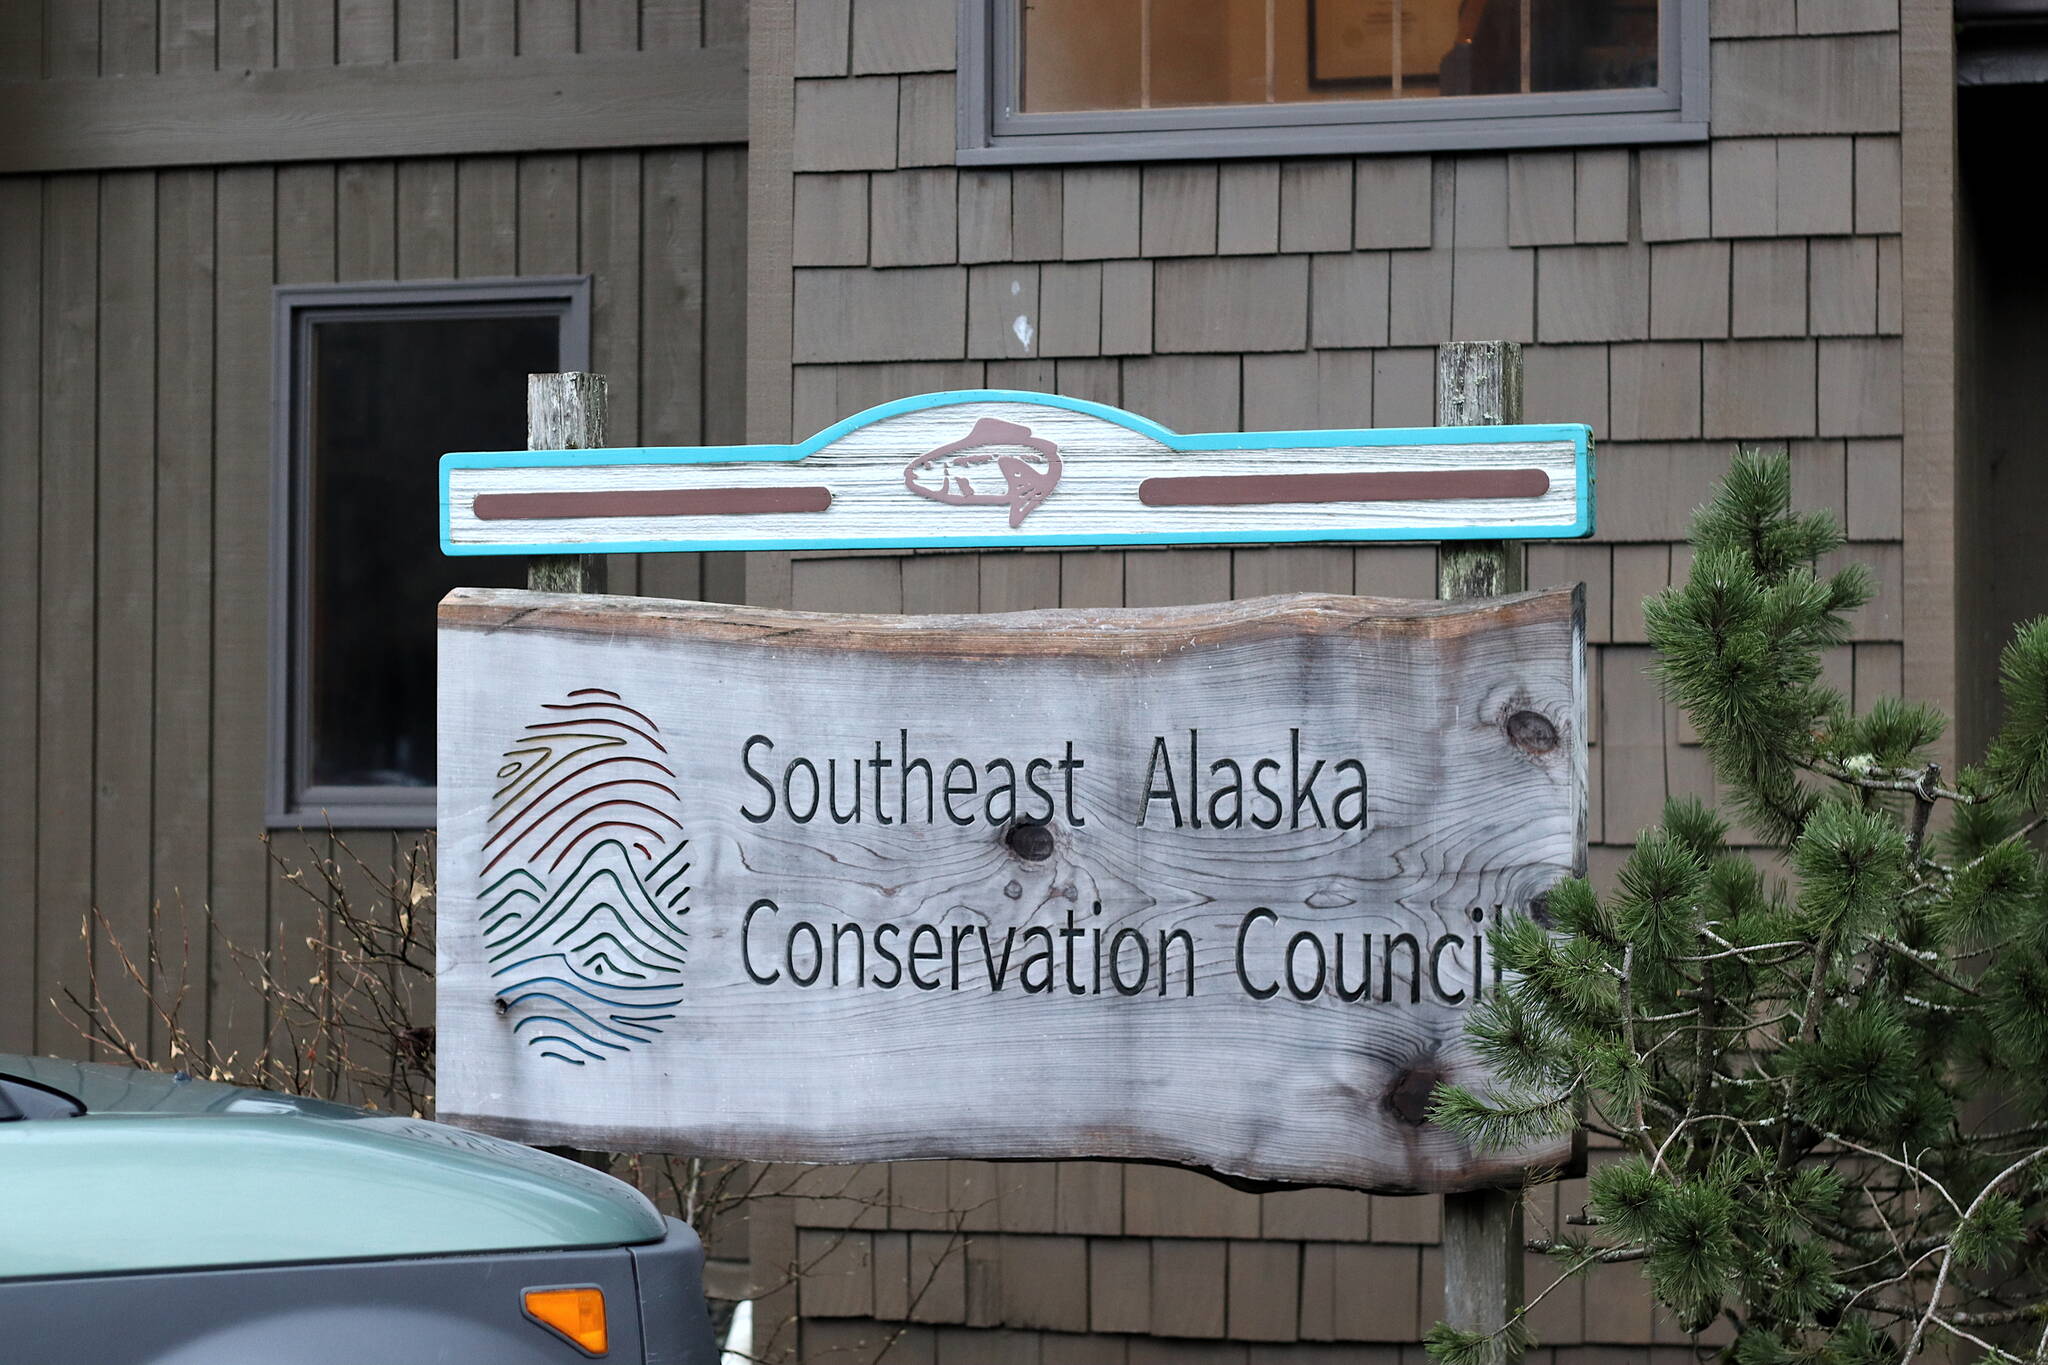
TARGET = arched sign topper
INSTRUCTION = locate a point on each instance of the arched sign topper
(992, 468)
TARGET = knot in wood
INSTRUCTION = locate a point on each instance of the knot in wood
(1030, 840)
(1408, 1097)
(1532, 732)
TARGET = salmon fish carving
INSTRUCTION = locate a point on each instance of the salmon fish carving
(977, 470)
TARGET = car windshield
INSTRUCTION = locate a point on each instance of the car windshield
(24, 1099)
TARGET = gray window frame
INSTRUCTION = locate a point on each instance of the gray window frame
(289, 802)
(992, 133)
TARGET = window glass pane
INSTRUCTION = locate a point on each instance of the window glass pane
(1159, 54)
(1207, 52)
(1081, 54)
(389, 397)
(1610, 45)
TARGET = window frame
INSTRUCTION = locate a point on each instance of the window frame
(289, 802)
(991, 133)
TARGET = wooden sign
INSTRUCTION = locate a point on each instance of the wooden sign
(1211, 885)
(1000, 468)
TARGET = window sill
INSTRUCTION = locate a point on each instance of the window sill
(417, 811)
(1461, 135)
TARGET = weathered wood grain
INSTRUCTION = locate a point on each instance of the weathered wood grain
(1467, 719)
(567, 412)
(1483, 1259)
(995, 468)
(1479, 383)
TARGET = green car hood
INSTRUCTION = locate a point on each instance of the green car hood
(162, 1173)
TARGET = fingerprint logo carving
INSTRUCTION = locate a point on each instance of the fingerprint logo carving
(586, 881)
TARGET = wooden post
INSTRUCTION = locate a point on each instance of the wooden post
(1479, 383)
(565, 412)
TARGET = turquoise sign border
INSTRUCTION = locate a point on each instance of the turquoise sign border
(1580, 435)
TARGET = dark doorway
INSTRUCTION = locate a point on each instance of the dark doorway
(2002, 388)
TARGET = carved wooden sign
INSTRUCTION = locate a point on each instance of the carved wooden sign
(1212, 885)
(994, 467)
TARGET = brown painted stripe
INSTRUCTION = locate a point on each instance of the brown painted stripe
(1406, 485)
(652, 502)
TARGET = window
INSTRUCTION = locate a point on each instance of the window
(375, 384)
(1072, 80)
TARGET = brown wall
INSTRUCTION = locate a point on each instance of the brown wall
(1680, 299)
(135, 443)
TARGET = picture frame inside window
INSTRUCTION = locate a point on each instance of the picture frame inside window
(1097, 80)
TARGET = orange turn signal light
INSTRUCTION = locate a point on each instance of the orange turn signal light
(577, 1314)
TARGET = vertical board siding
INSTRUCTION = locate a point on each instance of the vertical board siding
(188, 37)
(426, 30)
(486, 216)
(64, 712)
(124, 616)
(608, 235)
(546, 27)
(366, 30)
(309, 236)
(71, 39)
(608, 26)
(670, 24)
(245, 34)
(425, 229)
(725, 21)
(360, 864)
(307, 34)
(725, 294)
(486, 30)
(366, 221)
(128, 38)
(245, 236)
(21, 274)
(135, 486)
(547, 214)
(181, 772)
(672, 337)
(21, 41)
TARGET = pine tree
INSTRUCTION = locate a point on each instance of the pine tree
(1831, 1090)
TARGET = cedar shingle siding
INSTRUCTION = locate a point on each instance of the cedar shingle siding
(1678, 298)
